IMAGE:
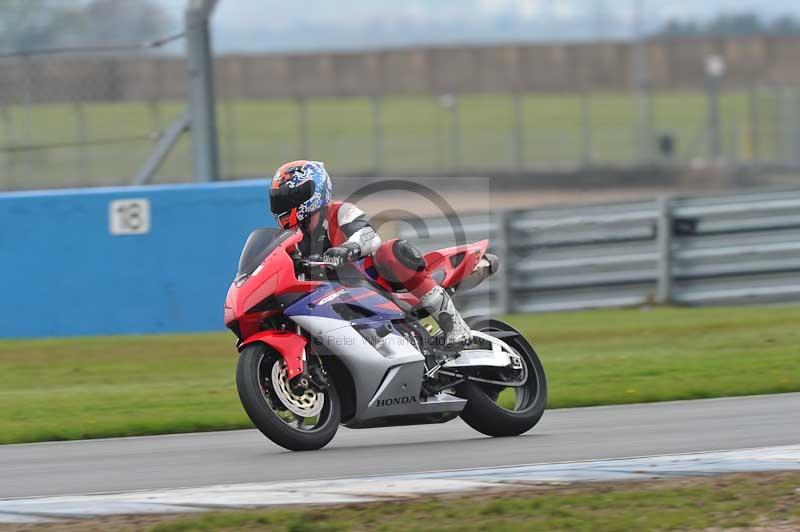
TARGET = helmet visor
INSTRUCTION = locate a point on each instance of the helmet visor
(285, 198)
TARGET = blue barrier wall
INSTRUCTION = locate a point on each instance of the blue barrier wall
(63, 273)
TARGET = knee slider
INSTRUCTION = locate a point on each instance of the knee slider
(408, 255)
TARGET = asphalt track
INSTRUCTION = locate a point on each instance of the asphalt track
(187, 460)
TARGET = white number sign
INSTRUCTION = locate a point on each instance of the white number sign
(129, 216)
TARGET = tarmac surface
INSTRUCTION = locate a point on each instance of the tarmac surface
(236, 457)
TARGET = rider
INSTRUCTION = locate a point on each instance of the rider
(300, 196)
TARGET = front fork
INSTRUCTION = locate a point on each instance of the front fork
(313, 375)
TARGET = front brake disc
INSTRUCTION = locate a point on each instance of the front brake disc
(306, 404)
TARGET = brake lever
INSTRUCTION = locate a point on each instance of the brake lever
(320, 263)
(308, 263)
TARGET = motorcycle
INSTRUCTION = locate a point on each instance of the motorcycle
(322, 346)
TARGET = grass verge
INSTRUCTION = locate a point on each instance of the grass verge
(770, 501)
(120, 386)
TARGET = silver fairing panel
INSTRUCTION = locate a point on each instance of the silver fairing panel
(499, 356)
(387, 375)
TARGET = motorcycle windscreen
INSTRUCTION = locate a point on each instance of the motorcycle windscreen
(259, 245)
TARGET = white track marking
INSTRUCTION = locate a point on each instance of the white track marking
(375, 488)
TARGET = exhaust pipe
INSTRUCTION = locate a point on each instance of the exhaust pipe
(488, 265)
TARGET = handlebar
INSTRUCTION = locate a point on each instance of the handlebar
(318, 263)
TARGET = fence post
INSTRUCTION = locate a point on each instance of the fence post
(200, 74)
(455, 133)
(230, 138)
(664, 233)
(785, 126)
(775, 126)
(642, 86)
(156, 118)
(796, 130)
(83, 137)
(715, 69)
(449, 102)
(377, 135)
(438, 140)
(519, 130)
(9, 138)
(755, 124)
(734, 139)
(28, 118)
(302, 120)
(586, 128)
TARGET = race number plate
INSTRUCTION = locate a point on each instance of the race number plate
(129, 216)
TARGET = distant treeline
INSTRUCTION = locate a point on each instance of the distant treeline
(741, 24)
(27, 25)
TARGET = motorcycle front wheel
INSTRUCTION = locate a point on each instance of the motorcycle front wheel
(505, 411)
(295, 421)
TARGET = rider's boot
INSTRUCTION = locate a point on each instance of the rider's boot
(441, 308)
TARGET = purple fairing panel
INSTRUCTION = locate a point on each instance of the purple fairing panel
(358, 305)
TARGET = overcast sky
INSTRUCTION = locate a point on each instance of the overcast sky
(256, 25)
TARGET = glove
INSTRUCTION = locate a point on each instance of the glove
(343, 254)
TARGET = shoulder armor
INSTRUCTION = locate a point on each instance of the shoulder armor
(347, 213)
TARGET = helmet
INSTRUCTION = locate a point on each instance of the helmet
(298, 190)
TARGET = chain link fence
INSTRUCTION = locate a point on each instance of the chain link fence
(506, 133)
(86, 89)
(93, 138)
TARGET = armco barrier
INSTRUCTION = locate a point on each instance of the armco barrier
(122, 260)
(731, 249)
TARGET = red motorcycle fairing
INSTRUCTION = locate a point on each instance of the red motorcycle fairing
(449, 266)
(273, 277)
(247, 303)
(291, 347)
(456, 262)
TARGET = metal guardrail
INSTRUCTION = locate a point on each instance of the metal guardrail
(706, 250)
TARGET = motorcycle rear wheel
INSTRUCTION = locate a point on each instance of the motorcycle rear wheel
(485, 410)
(276, 411)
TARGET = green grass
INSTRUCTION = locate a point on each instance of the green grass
(721, 503)
(119, 386)
(257, 135)
(624, 356)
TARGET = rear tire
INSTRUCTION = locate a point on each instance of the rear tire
(482, 412)
(256, 391)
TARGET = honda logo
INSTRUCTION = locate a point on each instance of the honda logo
(396, 401)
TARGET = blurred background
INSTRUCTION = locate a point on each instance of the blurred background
(559, 93)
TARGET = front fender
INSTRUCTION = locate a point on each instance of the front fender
(291, 346)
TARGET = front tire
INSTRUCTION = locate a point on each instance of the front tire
(269, 403)
(484, 411)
